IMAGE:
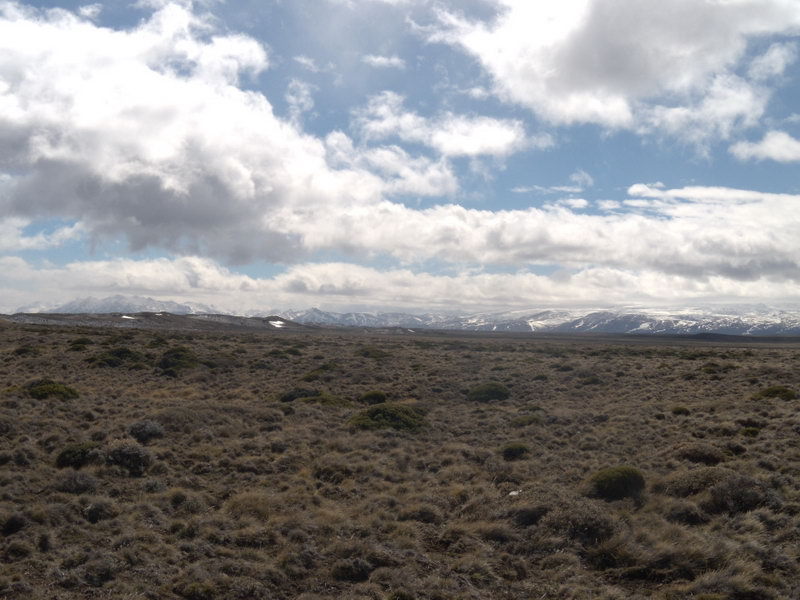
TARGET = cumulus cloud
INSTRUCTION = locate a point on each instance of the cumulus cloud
(148, 133)
(449, 134)
(383, 62)
(626, 65)
(343, 285)
(775, 145)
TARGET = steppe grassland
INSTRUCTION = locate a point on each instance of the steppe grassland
(239, 465)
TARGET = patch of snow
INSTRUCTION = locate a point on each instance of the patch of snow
(127, 317)
(514, 493)
(277, 324)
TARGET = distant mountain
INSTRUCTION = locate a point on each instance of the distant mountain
(121, 304)
(755, 319)
(738, 320)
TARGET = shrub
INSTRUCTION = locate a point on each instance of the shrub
(76, 483)
(689, 483)
(487, 392)
(144, 431)
(45, 388)
(389, 416)
(11, 524)
(736, 494)
(131, 457)
(515, 451)
(776, 391)
(177, 359)
(99, 509)
(352, 569)
(615, 483)
(76, 455)
(249, 504)
(581, 521)
(373, 397)
(372, 352)
(680, 411)
(701, 453)
(115, 357)
(424, 513)
(297, 393)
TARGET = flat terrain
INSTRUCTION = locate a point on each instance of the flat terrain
(348, 464)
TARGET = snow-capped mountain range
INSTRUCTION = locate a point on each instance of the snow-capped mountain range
(756, 319)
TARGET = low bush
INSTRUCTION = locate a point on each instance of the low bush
(515, 451)
(700, 453)
(76, 455)
(116, 357)
(737, 494)
(145, 431)
(373, 397)
(47, 388)
(297, 393)
(680, 411)
(487, 392)
(616, 483)
(688, 483)
(131, 457)
(780, 392)
(584, 522)
(76, 482)
(177, 359)
(388, 415)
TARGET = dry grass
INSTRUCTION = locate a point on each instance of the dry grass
(224, 466)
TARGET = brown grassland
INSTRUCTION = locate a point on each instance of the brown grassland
(344, 464)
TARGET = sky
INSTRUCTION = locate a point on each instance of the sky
(415, 155)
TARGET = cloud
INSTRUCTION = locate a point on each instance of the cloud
(300, 100)
(148, 133)
(449, 134)
(384, 62)
(307, 63)
(626, 64)
(13, 237)
(773, 62)
(775, 145)
(342, 286)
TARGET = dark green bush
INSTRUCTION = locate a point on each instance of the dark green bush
(373, 397)
(615, 483)
(46, 388)
(487, 392)
(116, 357)
(681, 411)
(389, 416)
(145, 431)
(776, 391)
(297, 393)
(131, 457)
(177, 359)
(372, 352)
(76, 455)
(515, 451)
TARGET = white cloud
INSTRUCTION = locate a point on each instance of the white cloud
(773, 62)
(627, 64)
(343, 285)
(91, 11)
(775, 145)
(384, 62)
(300, 100)
(307, 63)
(14, 239)
(449, 134)
(582, 178)
(146, 133)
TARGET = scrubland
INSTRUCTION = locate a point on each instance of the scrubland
(200, 466)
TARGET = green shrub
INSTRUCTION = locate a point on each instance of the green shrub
(525, 420)
(144, 431)
(487, 392)
(680, 411)
(76, 455)
(297, 393)
(372, 352)
(515, 451)
(177, 359)
(115, 357)
(131, 457)
(373, 397)
(46, 388)
(615, 483)
(388, 415)
(776, 391)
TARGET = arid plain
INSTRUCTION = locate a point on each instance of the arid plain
(352, 464)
